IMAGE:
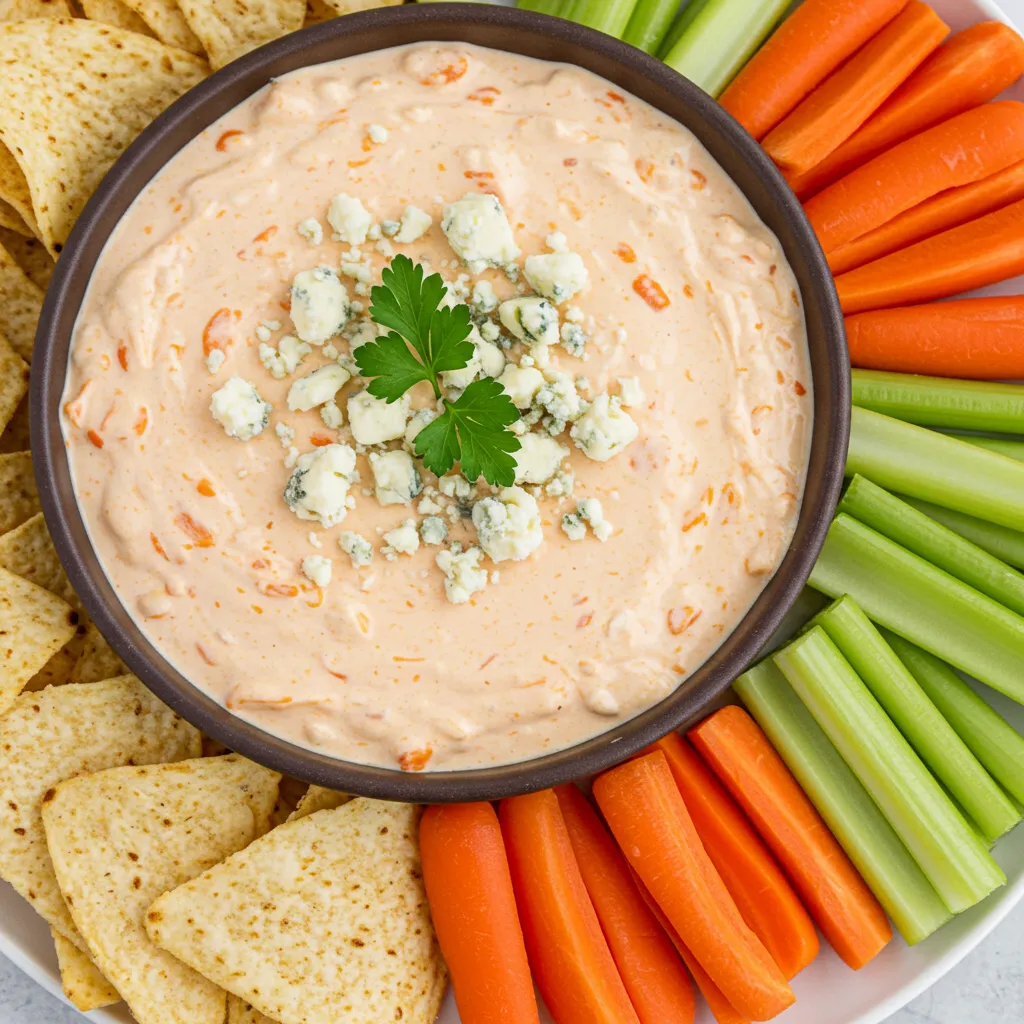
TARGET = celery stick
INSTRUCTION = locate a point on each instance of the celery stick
(720, 37)
(555, 7)
(1004, 543)
(995, 743)
(934, 542)
(937, 468)
(949, 852)
(681, 24)
(609, 16)
(1011, 449)
(923, 604)
(649, 24)
(920, 721)
(851, 815)
(807, 604)
(941, 401)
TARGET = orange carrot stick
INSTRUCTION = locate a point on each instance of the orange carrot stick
(947, 210)
(804, 50)
(469, 887)
(973, 67)
(981, 339)
(765, 899)
(650, 822)
(844, 907)
(957, 152)
(721, 1009)
(845, 100)
(651, 970)
(571, 962)
(976, 254)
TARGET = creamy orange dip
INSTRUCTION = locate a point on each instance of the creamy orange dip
(686, 322)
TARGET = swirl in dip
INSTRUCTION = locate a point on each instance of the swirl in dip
(274, 534)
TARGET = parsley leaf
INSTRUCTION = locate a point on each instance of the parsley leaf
(472, 430)
(392, 365)
(405, 302)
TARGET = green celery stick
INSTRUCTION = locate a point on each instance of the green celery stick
(681, 24)
(920, 721)
(938, 544)
(851, 815)
(995, 743)
(937, 468)
(1004, 543)
(555, 7)
(1011, 449)
(923, 604)
(609, 16)
(719, 37)
(649, 23)
(807, 604)
(941, 401)
(947, 849)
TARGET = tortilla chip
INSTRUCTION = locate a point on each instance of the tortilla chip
(113, 12)
(81, 980)
(14, 191)
(19, 499)
(98, 660)
(11, 220)
(20, 10)
(13, 382)
(227, 30)
(34, 626)
(316, 12)
(20, 299)
(351, 6)
(30, 254)
(240, 1012)
(167, 22)
(123, 837)
(28, 551)
(60, 668)
(73, 95)
(54, 735)
(321, 919)
(15, 436)
(317, 798)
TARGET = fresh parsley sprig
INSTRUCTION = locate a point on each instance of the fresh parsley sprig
(425, 340)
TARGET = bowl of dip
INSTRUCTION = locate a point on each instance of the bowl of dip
(257, 535)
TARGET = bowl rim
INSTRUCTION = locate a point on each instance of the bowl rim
(194, 112)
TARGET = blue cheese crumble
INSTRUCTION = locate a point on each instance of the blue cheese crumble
(239, 409)
(478, 230)
(532, 320)
(319, 306)
(521, 384)
(396, 479)
(285, 359)
(311, 230)
(317, 569)
(415, 223)
(434, 530)
(374, 420)
(557, 276)
(318, 488)
(403, 540)
(357, 547)
(539, 459)
(604, 429)
(463, 576)
(508, 526)
(349, 218)
(317, 387)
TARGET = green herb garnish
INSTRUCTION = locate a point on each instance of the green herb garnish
(425, 340)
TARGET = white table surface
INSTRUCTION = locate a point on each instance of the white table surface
(985, 988)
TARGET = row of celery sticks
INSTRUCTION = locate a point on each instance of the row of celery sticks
(708, 41)
(914, 773)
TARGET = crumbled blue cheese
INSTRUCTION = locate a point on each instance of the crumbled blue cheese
(538, 459)
(415, 223)
(311, 230)
(490, 331)
(557, 276)
(573, 526)
(428, 506)
(478, 230)
(357, 547)
(396, 478)
(390, 228)
(378, 134)
(284, 359)
(484, 299)
(590, 509)
(455, 485)
(521, 384)
(434, 530)
(557, 242)
(560, 400)
(363, 333)
(532, 320)
(403, 540)
(630, 391)
(331, 415)
(357, 270)
(318, 488)
(574, 340)
(487, 361)
(420, 419)
(318, 569)
(509, 525)
(374, 420)
(239, 409)
(349, 218)
(317, 387)
(215, 360)
(320, 305)
(604, 429)
(462, 572)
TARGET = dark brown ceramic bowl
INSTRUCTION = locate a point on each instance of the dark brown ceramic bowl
(519, 32)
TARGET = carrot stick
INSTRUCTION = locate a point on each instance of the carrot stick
(845, 100)
(973, 67)
(957, 152)
(469, 887)
(650, 822)
(976, 254)
(721, 1009)
(806, 48)
(651, 970)
(571, 962)
(947, 210)
(765, 899)
(981, 339)
(844, 907)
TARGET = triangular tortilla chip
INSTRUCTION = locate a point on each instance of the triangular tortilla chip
(56, 734)
(59, 669)
(227, 30)
(323, 919)
(13, 382)
(73, 95)
(11, 220)
(167, 22)
(240, 1012)
(30, 254)
(114, 12)
(317, 11)
(28, 551)
(14, 191)
(316, 798)
(20, 299)
(121, 838)
(80, 978)
(20, 10)
(34, 626)
(351, 6)
(19, 499)
(98, 660)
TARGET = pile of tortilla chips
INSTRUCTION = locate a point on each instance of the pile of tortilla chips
(193, 884)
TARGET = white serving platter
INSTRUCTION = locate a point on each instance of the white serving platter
(827, 992)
